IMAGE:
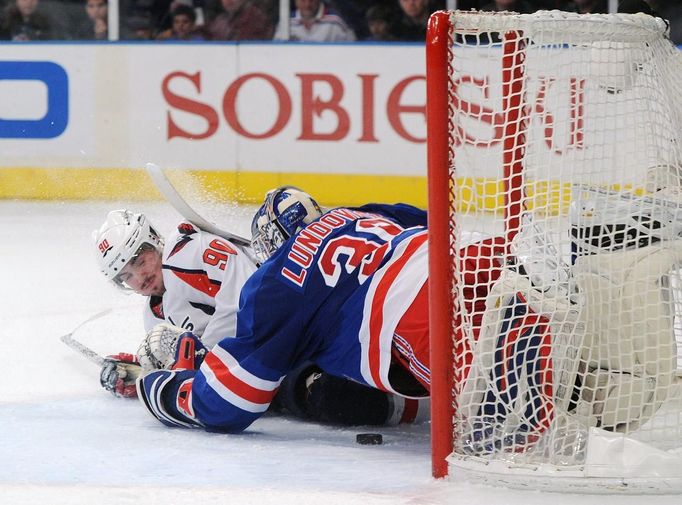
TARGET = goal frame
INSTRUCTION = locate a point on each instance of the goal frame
(441, 193)
(541, 202)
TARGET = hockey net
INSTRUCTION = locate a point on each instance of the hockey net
(555, 218)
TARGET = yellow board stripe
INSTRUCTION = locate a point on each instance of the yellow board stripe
(473, 194)
(487, 195)
(243, 187)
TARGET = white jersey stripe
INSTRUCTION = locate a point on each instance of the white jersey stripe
(236, 385)
(228, 395)
(400, 293)
(247, 377)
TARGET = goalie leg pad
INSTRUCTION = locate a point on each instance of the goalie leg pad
(629, 353)
(507, 399)
(615, 400)
(521, 369)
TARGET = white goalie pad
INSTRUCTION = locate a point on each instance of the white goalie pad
(628, 357)
(519, 364)
(606, 359)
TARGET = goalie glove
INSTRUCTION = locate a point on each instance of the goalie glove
(119, 373)
(170, 347)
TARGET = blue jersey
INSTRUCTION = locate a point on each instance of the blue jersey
(332, 294)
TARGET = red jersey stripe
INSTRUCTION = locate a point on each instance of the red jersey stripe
(237, 386)
(378, 301)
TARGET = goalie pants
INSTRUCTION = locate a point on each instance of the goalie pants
(411, 341)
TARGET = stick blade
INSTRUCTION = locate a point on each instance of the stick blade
(171, 194)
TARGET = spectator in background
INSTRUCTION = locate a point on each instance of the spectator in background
(160, 13)
(380, 19)
(313, 21)
(520, 6)
(586, 6)
(412, 20)
(139, 27)
(241, 20)
(465, 5)
(24, 20)
(547, 4)
(95, 27)
(354, 12)
(183, 25)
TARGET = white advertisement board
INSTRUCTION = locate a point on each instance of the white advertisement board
(260, 107)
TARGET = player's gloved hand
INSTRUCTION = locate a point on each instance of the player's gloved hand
(170, 347)
(119, 373)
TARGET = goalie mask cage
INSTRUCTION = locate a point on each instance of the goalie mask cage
(555, 222)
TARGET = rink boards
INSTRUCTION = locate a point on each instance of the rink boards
(345, 121)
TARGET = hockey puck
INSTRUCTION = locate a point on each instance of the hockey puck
(369, 438)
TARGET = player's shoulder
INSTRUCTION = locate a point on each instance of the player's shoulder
(187, 236)
(188, 246)
(404, 214)
(185, 239)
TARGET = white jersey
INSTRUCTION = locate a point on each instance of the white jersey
(203, 275)
(326, 27)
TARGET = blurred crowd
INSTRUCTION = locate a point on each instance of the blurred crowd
(310, 21)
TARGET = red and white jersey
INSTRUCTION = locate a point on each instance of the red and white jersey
(203, 275)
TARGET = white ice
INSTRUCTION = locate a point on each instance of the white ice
(64, 440)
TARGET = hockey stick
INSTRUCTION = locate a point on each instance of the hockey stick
(164, 185)
(630, 197)
(81, 348)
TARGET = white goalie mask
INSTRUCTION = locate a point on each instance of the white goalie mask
(121, 238)
(286, 211)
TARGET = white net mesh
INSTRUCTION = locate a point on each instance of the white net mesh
(565, 159)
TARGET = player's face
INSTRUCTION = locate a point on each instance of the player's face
(143, 273)
(507, 4)
(231, 5)
(26, 7)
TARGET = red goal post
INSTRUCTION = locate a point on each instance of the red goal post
(555, 138)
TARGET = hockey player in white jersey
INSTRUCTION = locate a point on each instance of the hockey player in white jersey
(193, 280)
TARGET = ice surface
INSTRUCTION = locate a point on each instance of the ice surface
(66, 441)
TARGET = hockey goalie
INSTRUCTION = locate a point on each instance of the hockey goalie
(553, 348)
(549, 348)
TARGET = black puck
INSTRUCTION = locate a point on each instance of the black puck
(369, 438)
